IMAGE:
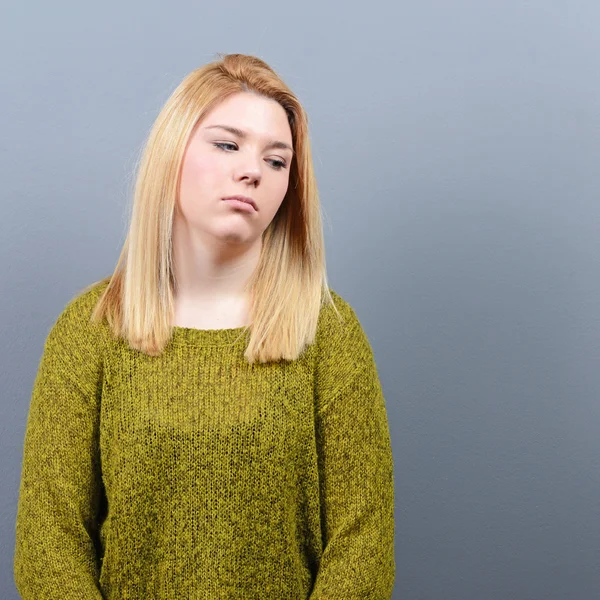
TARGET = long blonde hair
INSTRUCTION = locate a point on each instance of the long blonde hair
(289, 285)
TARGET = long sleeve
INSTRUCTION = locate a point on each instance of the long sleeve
(61, 485)
(355, 471)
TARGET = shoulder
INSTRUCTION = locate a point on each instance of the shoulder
(73, 324)
(338, 322)
(84, 300)
(75, 347)
(343, 347)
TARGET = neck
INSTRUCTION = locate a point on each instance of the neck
(211, 271)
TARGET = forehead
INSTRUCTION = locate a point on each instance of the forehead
(251, 113)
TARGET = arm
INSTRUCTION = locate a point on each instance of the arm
(61, 487)
(357, 479)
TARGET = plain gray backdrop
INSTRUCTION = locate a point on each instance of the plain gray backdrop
(457, 150)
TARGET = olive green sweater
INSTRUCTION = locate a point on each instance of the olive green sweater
(197, 475)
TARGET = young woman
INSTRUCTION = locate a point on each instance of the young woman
(208, 421)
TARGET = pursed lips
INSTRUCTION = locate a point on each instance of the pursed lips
(245, 199)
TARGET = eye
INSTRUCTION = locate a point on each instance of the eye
(276, 164)
(221, 144)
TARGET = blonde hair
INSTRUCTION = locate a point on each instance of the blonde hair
(289, 285)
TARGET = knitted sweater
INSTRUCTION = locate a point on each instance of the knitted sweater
(198, 475)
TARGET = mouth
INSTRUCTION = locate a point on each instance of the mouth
(242, 202)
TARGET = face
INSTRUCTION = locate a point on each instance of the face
(218, 163)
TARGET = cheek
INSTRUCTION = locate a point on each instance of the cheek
(195, 185)
(283, 187)
(279, 191)
(272, 200)
(199, 172)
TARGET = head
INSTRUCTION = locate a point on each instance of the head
(243, 147)
(186, 169)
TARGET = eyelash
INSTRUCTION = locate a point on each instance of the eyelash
(280, 164)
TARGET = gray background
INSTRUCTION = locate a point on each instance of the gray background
(457, 150)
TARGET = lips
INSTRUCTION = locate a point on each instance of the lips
(244, 199)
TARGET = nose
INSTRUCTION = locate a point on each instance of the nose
(249, 171)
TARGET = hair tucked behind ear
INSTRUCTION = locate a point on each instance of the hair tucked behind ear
(289, 285)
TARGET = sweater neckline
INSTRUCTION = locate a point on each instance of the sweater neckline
(208, 337)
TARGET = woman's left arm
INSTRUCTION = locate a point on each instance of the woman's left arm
(357, 489)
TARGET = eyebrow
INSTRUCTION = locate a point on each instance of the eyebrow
(242, 134)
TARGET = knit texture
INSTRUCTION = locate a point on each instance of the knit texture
(197, 475)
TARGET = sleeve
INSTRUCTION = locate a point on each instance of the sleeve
(61, 485)
(356, 473)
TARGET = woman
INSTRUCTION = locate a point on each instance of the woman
(208, 421)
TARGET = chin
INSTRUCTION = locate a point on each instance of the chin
(236, 237)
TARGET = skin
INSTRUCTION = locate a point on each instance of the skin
(216, 246)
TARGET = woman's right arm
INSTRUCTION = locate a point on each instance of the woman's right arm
(61, 483)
